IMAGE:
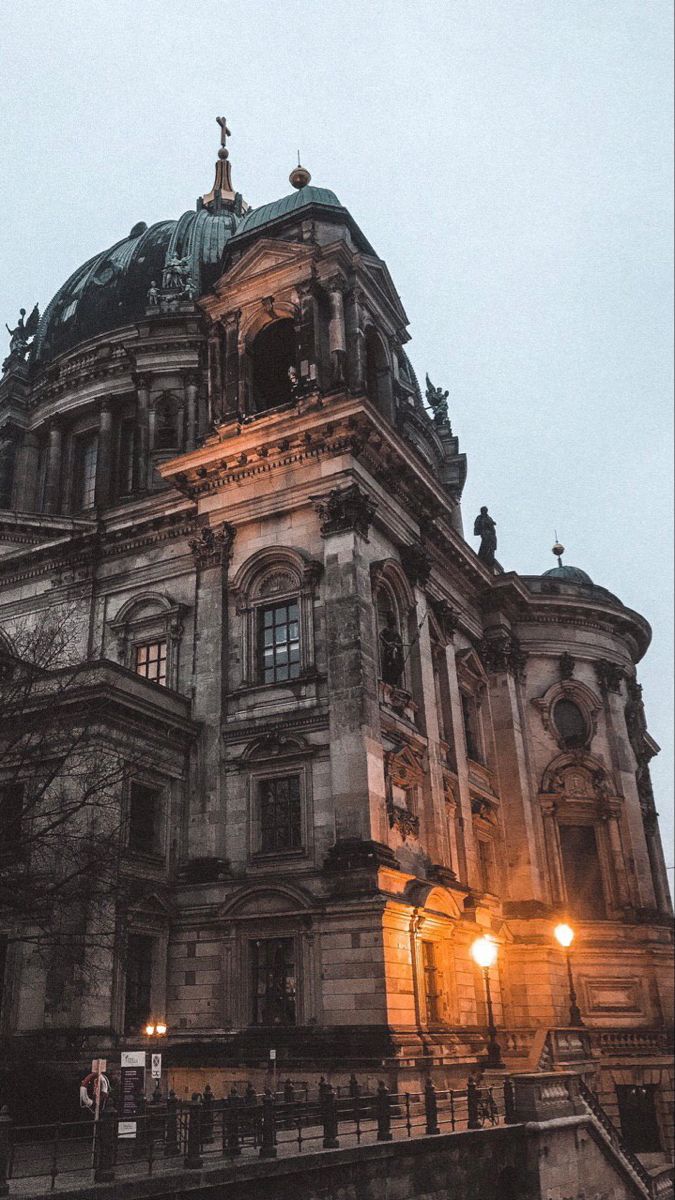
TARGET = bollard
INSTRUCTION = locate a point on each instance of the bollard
(474, 1121)
(207, 1116)
(231, 1143)
(5, 1149)
(383, 1112)
(171, 1147)
(509, 1103)
(193, 1158)
(106, 1129)
(268, 1147)
(329, 1117)
(431, 1107)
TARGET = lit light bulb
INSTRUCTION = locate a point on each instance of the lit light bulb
(564, 934)
(149, 1029)
(484, 952)
(160, 1029)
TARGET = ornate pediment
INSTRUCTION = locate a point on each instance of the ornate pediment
(266, 257)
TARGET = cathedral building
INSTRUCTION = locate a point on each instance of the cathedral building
(358, 744)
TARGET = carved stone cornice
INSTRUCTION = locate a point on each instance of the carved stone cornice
(416, 564)
(212, 547)
(407, 824)
(566, 664)
(346, 510)
(503, 654)
(609, 675)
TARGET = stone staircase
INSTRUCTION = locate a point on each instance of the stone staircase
(655, 1186)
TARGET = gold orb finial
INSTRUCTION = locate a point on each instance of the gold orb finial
(299, 176)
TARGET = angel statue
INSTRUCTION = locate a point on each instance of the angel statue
(175, 273)
(20, 336)
(437, 400)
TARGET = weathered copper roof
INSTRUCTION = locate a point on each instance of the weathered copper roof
(110, 290)
(280, 208)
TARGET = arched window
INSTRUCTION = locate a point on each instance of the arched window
(275, 592)
(570, 723)
(149, 629)
(273, 354)
(391, 642)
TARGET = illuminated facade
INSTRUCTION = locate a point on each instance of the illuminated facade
(366, 746)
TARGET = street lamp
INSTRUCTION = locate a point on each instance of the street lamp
(564, 935)
(484, 952)
(155, 1029)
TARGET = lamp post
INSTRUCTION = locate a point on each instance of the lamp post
(564, 935)
(484, 952)
(154, 1029)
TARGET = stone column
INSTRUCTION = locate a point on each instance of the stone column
(610, 814)
(27, 472)
(7, 460)
(504, 662)
(356, 351)
(468, 847)
(104, 456)
(357, 766)
(53, 485)
(142, 432)
(553, 852)
(337, 333)
(231, 325)
(192, 398)
(211, 548)
(306, 329)
(215, 353)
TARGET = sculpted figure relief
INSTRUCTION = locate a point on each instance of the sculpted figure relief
(391, 652)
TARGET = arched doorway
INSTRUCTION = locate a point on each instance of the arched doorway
(273, 352)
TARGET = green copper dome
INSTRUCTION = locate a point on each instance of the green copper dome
(288, 204)
(568, 575)
(111, 289)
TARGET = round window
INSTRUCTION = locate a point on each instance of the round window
(570, 723)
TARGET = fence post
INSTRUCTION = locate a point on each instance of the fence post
(474, 1121)
(330, 1118)
(289, 1092)
(104, 1170)
(171, 1147)
(140, 1145)
(231, 1144)
(268, 1147)
(431, 1107)
(193, 1158)
(5, 1149)
(509, 1102)
(383, 1112)
(207, 1115)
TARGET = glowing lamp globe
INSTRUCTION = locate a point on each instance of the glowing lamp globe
(149, 1029)
(160, 1029)
(484, 952)
(564, 934)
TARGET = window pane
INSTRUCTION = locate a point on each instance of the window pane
(279, 642)
(151, 661)
(570, 723)
(138, 981)
(143, 817)
(280, 814)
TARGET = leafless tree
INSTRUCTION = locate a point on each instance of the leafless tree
(62, 776)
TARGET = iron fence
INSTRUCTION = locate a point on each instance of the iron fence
(237, 1127)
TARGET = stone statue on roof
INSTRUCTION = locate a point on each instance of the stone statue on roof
(20, 336)
(437, 400)
(485, 528)
(175, 274)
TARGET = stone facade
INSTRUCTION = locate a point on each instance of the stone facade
(370, 747)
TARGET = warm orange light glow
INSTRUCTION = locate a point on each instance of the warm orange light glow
(564, 934)
(484, 952)
(160, 1029)
(149, 1029)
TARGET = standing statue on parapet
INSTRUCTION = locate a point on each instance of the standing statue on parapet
(484, 528)
(20, 336)
(437, 400)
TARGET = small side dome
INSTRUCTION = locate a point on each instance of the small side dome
(568, 575)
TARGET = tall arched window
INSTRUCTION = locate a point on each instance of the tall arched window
(273, 354)
(378, 373)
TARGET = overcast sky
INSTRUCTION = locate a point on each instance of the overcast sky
(511, 161)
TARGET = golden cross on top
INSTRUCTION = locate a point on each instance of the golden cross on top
(225, 133)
